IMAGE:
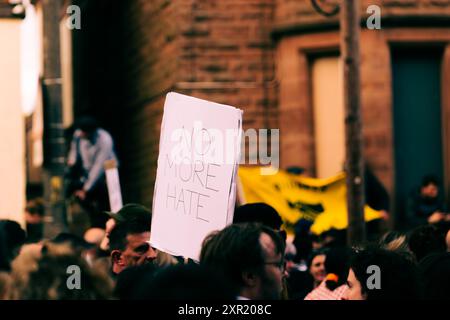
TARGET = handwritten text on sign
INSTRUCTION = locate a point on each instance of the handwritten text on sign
(198, 155)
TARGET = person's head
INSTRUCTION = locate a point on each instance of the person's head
(184, 282)
(129, 243)
(337, 263)
(303, 240)
(6, 286)
(393, 239)
(397, 242)
(78, 244)
(131, 212)
(334, 238)
(59, 272)
(23, 265)
(290, 254)
(316, 265)
(249, 255)
(34, 211)
(316, 242)
(128, 283)
(435, 276)
(429, 187)
(12, 237)
(87, 125)
(259, 213)
(425, 240)
(379, 274)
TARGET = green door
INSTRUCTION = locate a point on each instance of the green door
(417, 121)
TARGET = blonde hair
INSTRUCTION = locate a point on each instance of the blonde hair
(21, 267)
(398, 243)
(6, 286)
(53, 260)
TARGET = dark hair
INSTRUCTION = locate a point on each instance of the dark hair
(131, 212)
(303, 240)
(338, 238)
(399, 279)
(86, 123)
(236, 249)
(337, 262)
(118, 235)
(36, 206)
(390, 236)
(430, 179)
(315, 253)
(184, 282)
(75, 242)
(260, 213)
(12, 237)
(397, 242)
(425, 240)
(49, 280)
(435, 275)
(129, 280)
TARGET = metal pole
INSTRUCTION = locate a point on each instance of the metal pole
(350, 30)
(54, 142)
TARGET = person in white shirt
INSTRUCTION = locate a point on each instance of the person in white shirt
(91, 146)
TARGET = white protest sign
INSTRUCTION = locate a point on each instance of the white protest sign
(195, 181)
(113, 184)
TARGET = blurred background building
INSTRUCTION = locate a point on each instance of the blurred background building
(20, 65)
(278, 60)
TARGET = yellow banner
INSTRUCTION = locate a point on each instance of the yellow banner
(295, 197)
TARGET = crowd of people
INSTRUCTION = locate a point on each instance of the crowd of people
(251, 259)
(108, 255)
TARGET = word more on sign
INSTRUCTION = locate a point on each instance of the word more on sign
(195, 185)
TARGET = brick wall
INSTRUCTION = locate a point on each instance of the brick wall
(301, 12)
(149, 69)
(222, 51)
(227, 56)
(418, 7)
(296, 42)
(125, 60)
(216, 50)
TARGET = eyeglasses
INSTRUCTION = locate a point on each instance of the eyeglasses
(279, 264)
